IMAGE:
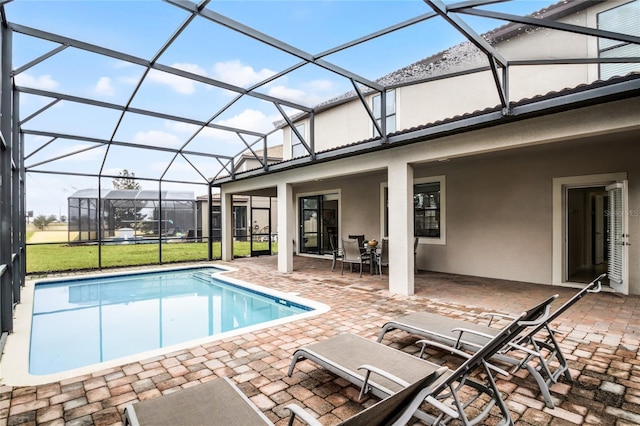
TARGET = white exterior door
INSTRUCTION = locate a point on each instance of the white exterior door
(618, 244)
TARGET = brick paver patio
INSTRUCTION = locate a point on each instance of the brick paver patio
(600, 337)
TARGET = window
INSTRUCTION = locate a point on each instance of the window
(429, 207)
(623, 19)
(391, 112)
(426, 206)
(297, 147)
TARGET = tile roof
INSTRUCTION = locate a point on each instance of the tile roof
(553, 95)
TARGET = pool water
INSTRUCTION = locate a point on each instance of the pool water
(91, 320)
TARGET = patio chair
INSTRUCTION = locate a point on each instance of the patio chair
(382, 370)
(544, 350)
(360, 239)
(383, 255)
(416, 240)
(351, 254)
(336, 252)
(220, 402)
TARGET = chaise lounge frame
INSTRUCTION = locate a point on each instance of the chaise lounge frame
(541, 351)
(382, 370)
(221, 402)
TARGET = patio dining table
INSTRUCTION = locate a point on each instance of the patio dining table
(373, 256)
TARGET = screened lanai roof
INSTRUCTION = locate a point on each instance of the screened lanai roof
(133, 194)
(177, 90)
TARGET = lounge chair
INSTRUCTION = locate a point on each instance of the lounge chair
(549, 362)
(220, 402)
(383, 371)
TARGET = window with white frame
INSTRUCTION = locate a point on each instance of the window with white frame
(623, 19)
(297, 147)
(429, 209)
(390, 112)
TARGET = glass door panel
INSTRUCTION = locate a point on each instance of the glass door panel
(309, 224)
(260, 231)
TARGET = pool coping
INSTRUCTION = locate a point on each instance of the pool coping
(14, 363)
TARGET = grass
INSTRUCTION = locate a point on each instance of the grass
(62, 257)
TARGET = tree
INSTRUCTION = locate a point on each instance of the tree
(125, 180)
(42, 221)
(125, 215)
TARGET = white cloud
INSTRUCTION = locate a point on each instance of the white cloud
(44, 82)
(321, 86)
(129, 80)
(234, 72)
(248, 119)
(293, 95)
(310, 93)
(178, 126)
(157, 138)
(104, 87)
(192, 68)
(179, 84)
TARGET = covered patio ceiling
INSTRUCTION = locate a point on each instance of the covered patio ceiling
(176, 90)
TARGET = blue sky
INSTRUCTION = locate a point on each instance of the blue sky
(141, 27)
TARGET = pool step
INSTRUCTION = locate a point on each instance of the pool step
(202, 276)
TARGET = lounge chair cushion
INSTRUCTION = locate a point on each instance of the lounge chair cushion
(441, 328)
(344, 353)
(217, 402)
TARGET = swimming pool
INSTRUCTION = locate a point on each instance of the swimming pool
(84, 321)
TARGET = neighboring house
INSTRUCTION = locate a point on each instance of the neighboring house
(130, 215)
(249, 161)
(534, 180)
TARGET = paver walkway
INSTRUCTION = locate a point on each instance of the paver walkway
(601, 338)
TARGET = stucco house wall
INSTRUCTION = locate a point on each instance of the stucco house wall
(435, 100)
(499, 208)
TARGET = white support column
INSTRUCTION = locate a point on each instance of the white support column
(226, 207)
(286, 226)
(401, 276)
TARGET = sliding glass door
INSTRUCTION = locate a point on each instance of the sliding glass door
(318, 223)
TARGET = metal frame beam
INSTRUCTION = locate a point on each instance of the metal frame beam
(125, 108)
(111, 176)
(7, 171)
(119, 143)
(271, 41)
(147, 64)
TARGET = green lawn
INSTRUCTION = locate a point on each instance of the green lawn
(61, 257)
